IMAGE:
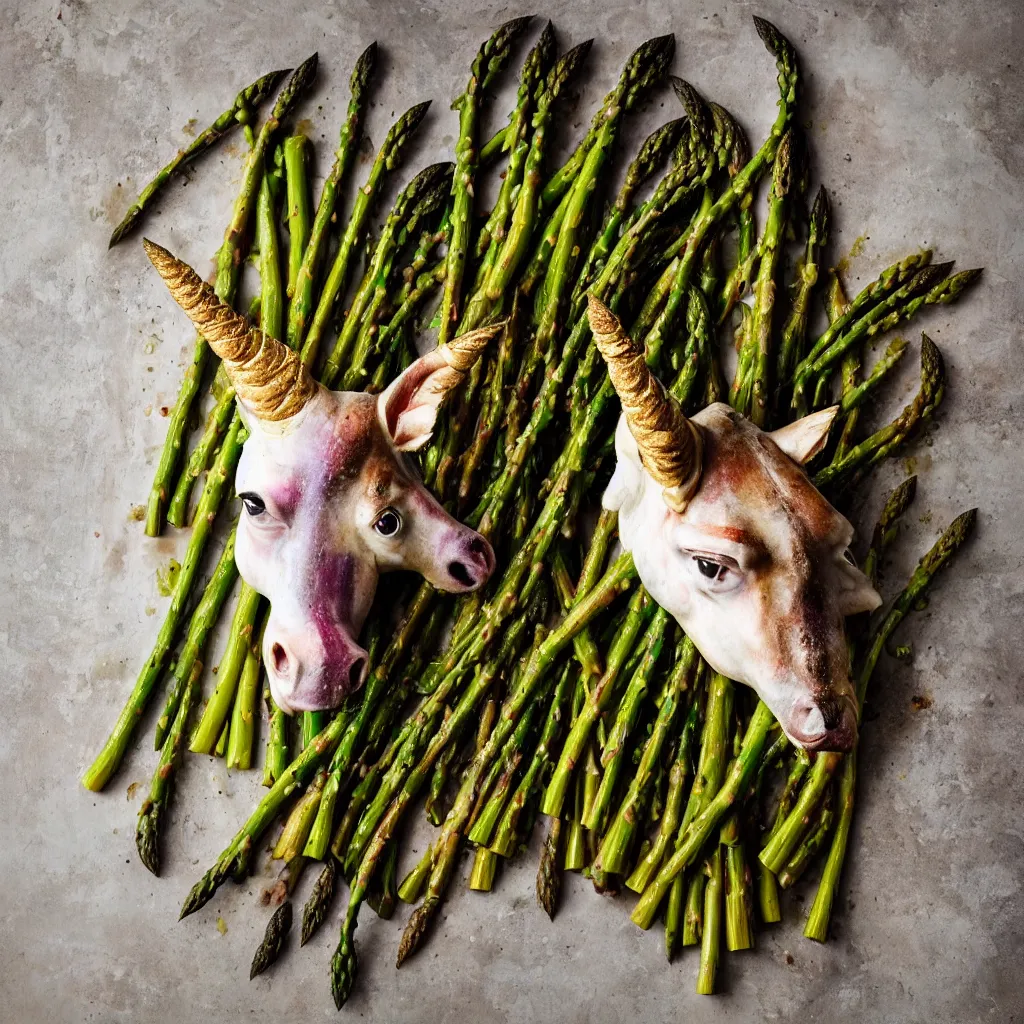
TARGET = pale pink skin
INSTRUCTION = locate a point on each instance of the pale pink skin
(325, 477)
(773, 616)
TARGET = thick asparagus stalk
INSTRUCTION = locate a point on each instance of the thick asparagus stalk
(240, 112)
(299, 206)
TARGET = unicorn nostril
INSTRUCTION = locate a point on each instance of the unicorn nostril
(831, 712)
(460, 574)
(279, 658)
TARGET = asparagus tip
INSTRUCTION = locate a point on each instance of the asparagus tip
(273, 940)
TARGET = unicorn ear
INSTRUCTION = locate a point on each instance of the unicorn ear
(805, 437)
(408, 407)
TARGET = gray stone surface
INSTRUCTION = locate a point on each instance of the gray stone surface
(914, 112)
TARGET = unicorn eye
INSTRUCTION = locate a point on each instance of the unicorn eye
(253, 503)
(388, 523)
(711, 570)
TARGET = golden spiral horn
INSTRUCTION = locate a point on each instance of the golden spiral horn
(268, 377)
(670, 445)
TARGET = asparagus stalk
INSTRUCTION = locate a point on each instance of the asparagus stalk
(794, 331)
(243, 715)
(549, 877)
(351, 134)
(240, 112)
(517, 240)
(760, 337)
(423, 195)
(147, 829)
(672, 814)
(300, 212)
(711, 941)
(615, 845)
(884, 441)
(505, 833)
(490, 60)
(110, 756)
(941, 552)
(646, 66)
(203, 620)
(337, 278)
(319, 902)
(273, 941)
(613, 752)
(694, 837)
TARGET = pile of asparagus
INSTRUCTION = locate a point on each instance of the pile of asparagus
(561, 692)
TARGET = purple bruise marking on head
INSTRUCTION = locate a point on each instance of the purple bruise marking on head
(286, 497)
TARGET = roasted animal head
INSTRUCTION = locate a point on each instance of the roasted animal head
(330, 499)
(730, 536)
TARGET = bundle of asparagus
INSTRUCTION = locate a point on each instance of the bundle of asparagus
(562, 691)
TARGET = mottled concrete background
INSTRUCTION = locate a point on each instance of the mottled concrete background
(914, 112)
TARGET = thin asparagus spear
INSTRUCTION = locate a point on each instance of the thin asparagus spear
(490, 60)
(147, 829)
(646, 66)
(240, 112)
(672, 814)
(421, 197)
(276, 760)
(940, 553)
(693, 839)
(412, 885)
(337, 278)
(760, 337)
(517, 240)
(517, 144)
(640, 609)
(351, 133)
(851, 328)
(794, 331)
(615, 844)
(504, 840)
(812, 843)
(738, 923)
(884, 441)
(857, 394)
(613, 752)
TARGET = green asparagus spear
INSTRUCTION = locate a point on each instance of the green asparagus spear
(240, 112)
